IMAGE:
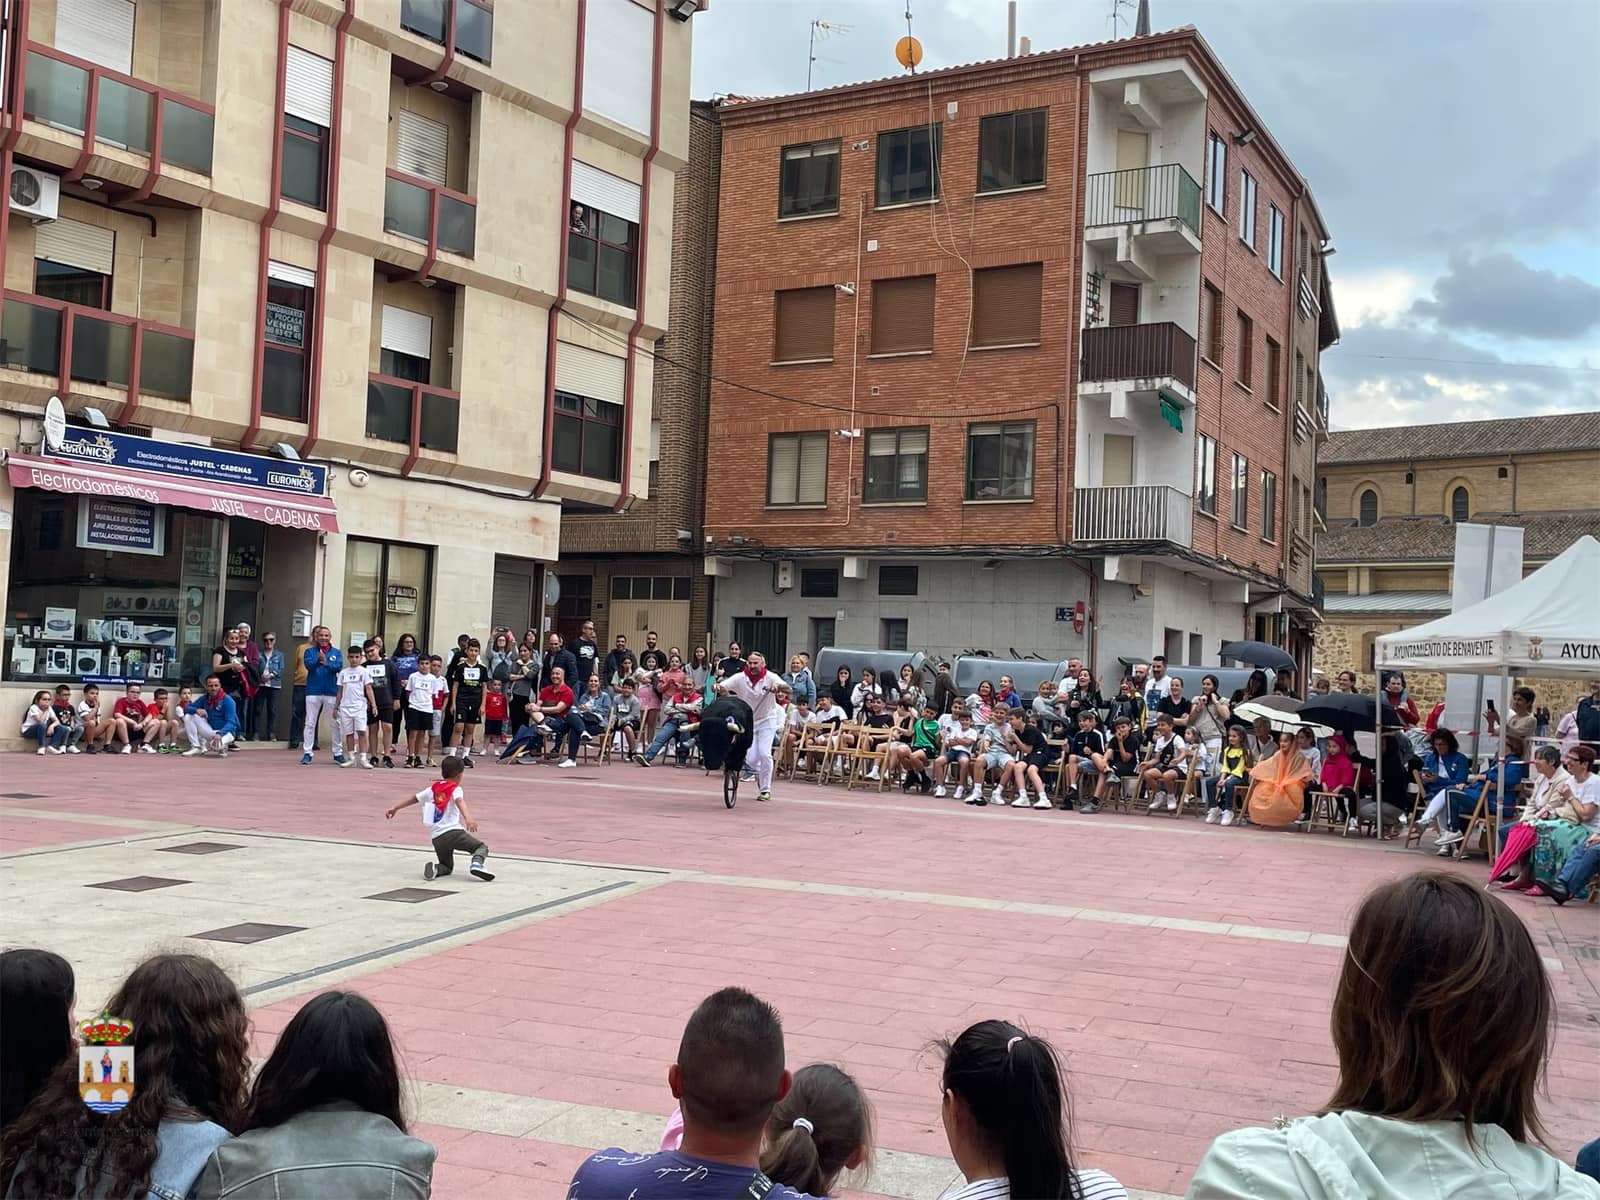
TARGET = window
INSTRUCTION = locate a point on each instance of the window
(286, 365)
(602, 254)
(1275, 240)
(586, 438)
(893, 633)
(1460, 505)
(1247, 209)
(1205, 471)
(307, 116)
(1239, 498)
(474, 30)
(1269, 506)
(1011, 150)
(1216, 172)
(808, 180)
(797, 468)
(405, 341)
(1274, 374)
(649, 587)
(1211, 324)
(378, 574)
(1005, 305)
(804, 325)
(75, 285)
(819, 582)
(902, 315)
(1367, 508)
(1000, 461)
(1246, 348)
(908, 165)
(617, 80)
(897, 465)
(73, 261)
(897, 580)
(821, 635)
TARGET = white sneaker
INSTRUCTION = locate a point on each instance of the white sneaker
(1449, 839)
(58, 749)
(127, 748)
(146, 749)
(73, 750)
(1172, 804)
(1020, 802)
(1155, 804)
(938, 792)
(1213, 815)
(1043, 801)
(568, 762)
(587, 737)
(1446, 849)
(1352, 825)
(192, 751)
(873, 774)
(1227, 817)
(366, 761)
(44, 749)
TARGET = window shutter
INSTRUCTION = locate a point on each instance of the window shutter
(421, 147)
(98, 30)
(1005, 305)
(813, 469)
(1207, 298)
(407, 332)
(805, 324)
(783, 469)
(609, 193)
(902, 315)
(589, 373)
(285, 273)
(74, 244)
(308, 87)
(617, 83)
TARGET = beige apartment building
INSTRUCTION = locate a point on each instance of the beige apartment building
(344, 303)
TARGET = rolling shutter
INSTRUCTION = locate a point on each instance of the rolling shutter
(1124, 304)
(804, 324)
(511, 601)
(286, 273)
(902, 315)
(74, 244)
(1005, 305)
(585, 372)
(618, 83)
(609, 193)
(406, 332)
(422, 147)
(98, 30)
(308, 87)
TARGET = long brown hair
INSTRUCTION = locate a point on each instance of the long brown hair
(191, 1059)
(1442, 1012)
(831, 1103)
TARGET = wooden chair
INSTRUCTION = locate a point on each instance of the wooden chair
(838, 760)
(1055, 774)
(1414, 829)
(1485, 820)
(1193, 789)
(861, 758)
(597, 743)
(1241, 802)
(1324, 813)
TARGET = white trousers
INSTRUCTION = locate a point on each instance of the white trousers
(315, 707)
(200, 731)
(760, 756)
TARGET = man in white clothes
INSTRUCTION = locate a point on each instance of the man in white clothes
(758, 688)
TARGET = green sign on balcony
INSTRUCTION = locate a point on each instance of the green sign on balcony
(1171, 411)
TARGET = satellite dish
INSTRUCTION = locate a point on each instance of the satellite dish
(552, 590)
(908, 52)
(55, 423)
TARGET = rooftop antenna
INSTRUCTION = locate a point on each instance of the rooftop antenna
(908, 51)
(824, 28)
(1141, 25)
(1116, 16)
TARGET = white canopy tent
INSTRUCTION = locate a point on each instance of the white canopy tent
(1546, 624)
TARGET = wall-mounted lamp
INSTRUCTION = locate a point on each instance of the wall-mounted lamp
(1245, 138)
(845, 289)
(95, 418)
(682, 10)
(284, 450)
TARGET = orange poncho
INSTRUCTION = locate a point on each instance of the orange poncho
(1278, 788)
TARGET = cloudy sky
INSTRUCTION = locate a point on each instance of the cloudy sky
(1453, 147)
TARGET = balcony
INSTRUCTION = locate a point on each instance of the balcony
(88, 345)
(463, 24)
(1131, 514)
(1143, 214)
(1140, 353)
(108, 107)
(429, 213)
(412, 414)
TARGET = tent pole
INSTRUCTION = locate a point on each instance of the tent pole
(1500, 775)
(1377, 748)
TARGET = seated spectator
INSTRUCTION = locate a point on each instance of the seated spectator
(41, 724)
(981, 703)
(1306, 743)
(1047, 711)
(960, 740)
(1086, 759)
(36, 1035)
(727, 1080)
(1441, 1021)
(167, 727)
(866, 688)
(1006, 693)
(1444, 766)
(1174, 704)
(1338, 777)
(1128, 703)
(913, 756)
(592, 712)
(1233, 771)
(1560, 815)
(1573, 877)
(1197, 761)
(1084, 695)
(908, 687)
(548, 717)
(1459, 803)
(821, 1129)
(1278, 790)
(191, 1057)
(324, 1116)
(1209, 713)
(1163, 756)
(1261, 741)
(140, 720)
(1006, 1116)
(679, 708)
(880, 724)
(1398, 765)
(1034, 753)
(799, 679)
(1124, 754)
(211, 721)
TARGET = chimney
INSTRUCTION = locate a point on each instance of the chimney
(1141, 25)
(1025, 46)
(1011, 29)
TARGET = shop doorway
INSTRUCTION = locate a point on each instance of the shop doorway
(247, 541)
(513, 605)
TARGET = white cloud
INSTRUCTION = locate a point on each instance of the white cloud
(1376, 297)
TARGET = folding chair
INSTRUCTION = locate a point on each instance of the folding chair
(1324, 813)
(1057, 787)
(1241, 803)
(861, 758)
(1414, 830)
(1485, 821)
(839, 759)
(1193, 788)
(599, 743)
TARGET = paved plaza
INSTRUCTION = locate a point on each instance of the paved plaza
(1184, 970)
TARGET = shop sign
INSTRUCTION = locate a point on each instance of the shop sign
(140, 602)
(286, 324)
(191, 462)
(398, 598)
(120, 526)
(244, 563)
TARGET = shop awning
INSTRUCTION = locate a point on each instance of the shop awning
(273, 507)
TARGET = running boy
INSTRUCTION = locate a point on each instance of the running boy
(466, 699)
(421, 686)
(355, 702)
(449, 824)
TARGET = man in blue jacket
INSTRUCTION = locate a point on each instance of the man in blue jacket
(212, 721)
(323, 662)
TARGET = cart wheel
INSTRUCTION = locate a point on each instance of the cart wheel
(730, 787)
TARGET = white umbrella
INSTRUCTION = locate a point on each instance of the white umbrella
(1279, 712)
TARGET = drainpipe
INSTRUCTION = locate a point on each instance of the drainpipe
(335, 137)
(630, 367)
(449, 58)
(542, 483)
(274, 205)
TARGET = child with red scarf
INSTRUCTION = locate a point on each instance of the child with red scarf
(449, 824)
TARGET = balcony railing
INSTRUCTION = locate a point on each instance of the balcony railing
(88, 345)
(1137, 352)
(1143, 194)
(470, 24)
(107, 106)
(426, 212)
(413, 414)
(1131, 514)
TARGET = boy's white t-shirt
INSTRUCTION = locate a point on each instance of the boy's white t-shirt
(87, 710)
(440, 822)
(353, 688)
(961, 737)
(420, 689)
(797, 719)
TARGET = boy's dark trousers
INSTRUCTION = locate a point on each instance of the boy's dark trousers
(451, 840)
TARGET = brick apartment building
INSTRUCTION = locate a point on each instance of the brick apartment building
(1001, 339)
(641, 569)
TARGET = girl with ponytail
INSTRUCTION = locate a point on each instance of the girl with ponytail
(822, 1128)
(1008, 1119)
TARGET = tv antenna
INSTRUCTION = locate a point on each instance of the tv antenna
(825, 29)
(1115, 15)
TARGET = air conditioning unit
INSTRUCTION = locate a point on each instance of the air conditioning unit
(785, 579)
(35, 194)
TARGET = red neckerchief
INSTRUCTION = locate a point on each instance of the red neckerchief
(442, 791)
(753, 675)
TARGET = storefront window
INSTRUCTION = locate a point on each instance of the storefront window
(386, 591)
(110, 589)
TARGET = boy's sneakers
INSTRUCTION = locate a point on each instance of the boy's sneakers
(565, 762)
(1156, 802)
(127, 748)
(939, 792)
(1043, 801)
(640, 759)
(429, 870)
(1213, 815)
(146, 748)
(466, 762)
(305, 759)
(193, 750)
(73, 750)
(1020, 802)
(369, 764)
(479, 871)
(339, 760)
(1227, 817)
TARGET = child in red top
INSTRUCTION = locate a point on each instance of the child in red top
(494, 713)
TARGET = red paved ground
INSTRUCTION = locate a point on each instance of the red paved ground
(1171, 1035)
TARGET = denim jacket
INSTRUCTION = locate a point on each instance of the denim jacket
(181, 1151)
(272, 668)
(327, 1151)
(802, 685)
